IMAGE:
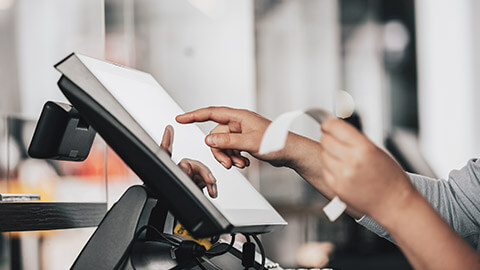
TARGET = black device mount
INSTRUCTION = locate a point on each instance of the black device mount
(61, 134)
(114, 246)
(128, 247)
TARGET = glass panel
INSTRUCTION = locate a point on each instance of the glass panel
(34, 35)
(4, 237)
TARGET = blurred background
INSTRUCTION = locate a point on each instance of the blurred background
(409, 66)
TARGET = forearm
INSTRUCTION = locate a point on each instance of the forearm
(426, 239)
(301, 155)
(453, 200)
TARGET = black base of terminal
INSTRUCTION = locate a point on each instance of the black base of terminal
(109, 246)
(114, 244)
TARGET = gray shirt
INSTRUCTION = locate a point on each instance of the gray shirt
(456, 199)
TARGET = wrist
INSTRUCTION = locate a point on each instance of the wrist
(297, 152)
(397, 209)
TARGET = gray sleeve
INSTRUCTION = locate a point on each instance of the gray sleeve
(456, 199)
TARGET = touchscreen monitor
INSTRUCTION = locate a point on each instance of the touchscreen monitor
(135, 101)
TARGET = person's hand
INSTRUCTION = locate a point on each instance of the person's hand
(198, 172)
(360, 173)
(237, 130)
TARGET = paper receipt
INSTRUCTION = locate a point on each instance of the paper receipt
(275, 138)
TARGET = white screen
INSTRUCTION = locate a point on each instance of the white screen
(150, 105)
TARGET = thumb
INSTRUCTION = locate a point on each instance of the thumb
(167, 140)
(236, 141)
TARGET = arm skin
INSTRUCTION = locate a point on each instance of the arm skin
(347, 164)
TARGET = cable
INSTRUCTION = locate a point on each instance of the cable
(214, 239)
(248, 252)
(174, 225)
(225, 250)
(179, 244)
(140, 231)
(262, 251)
(247, 236)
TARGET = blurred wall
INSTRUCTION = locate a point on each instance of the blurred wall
(8, 76)
(34, 36)
(364, 77)
(448, 67)
(297, 53)
(201, 51)
(45, 32)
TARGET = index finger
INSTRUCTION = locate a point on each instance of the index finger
(221, 115)
(342, 130)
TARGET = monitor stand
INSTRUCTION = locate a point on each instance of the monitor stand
(113, 244)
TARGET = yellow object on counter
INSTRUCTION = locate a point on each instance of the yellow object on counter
(180, 230)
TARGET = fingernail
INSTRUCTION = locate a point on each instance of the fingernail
(212, 140)
(237, 164)
(224, 164)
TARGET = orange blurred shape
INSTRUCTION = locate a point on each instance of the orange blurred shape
(116, 168)
(314, 254)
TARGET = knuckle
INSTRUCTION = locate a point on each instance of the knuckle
(245, 111)
(327, 123)
(223, 140)
(358, 154)
(356, 166)
(186, 160)
(347, 173)
(322, 139)
(202, 167)
(367, 149)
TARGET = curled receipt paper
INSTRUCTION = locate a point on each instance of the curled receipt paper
(275, 138)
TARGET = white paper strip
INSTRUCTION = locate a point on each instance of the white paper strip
(334, 208)
(275, 138)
